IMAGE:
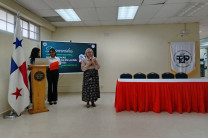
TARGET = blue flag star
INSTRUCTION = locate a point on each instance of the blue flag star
(18, 43)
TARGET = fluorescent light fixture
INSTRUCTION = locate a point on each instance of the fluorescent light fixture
(125, 13)
(68, 15)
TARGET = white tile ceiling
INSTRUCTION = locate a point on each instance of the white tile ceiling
(104, 12)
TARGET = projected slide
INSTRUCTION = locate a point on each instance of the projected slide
(70, 53)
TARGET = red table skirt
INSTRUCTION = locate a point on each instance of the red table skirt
(162, 96)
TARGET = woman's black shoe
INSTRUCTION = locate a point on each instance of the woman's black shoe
(93, 105)
(50, 103)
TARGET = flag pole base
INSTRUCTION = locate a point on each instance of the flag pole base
(10, 115)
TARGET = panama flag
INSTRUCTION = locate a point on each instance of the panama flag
(18, 95)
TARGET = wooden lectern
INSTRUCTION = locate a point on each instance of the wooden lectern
(38, 78)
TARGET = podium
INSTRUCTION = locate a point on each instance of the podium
(38, 80)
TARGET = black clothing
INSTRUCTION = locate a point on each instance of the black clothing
(52, 77)
(90, 87)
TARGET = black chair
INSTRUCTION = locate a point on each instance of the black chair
(126, 76)
(168, 75)
(181, 75)
(139, 75)
(153, 75)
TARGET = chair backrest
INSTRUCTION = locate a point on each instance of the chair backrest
(126, 76)
(153, 75)
(181, 75)
(139, 75)
(168, 75)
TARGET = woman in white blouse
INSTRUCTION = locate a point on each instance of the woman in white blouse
(90, 87)
(52, 76)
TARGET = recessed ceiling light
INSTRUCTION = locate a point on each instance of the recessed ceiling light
(68, 15)
(125, 13)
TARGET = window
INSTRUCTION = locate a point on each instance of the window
(6, 21)
(24, 26)
(34, 31)
(29, 30)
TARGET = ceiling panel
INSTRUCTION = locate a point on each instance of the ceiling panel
(33, 4)
(106, 3)
(45, 13)
(81, 3)
(63, 24)
(54, 19)
(124, 22)
(147, 11)
(177, 1)
(170, 10)
(108, 22)
(92, 23)
(202, 12)
(150, 2)
(129, 2)
(191, 19)
(87, 13)
(108, 13)
(199, 0)
(157, 20)
(175, 20)
(58, 4)
(141, 21)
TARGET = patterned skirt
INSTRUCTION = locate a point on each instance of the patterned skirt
(90, 86)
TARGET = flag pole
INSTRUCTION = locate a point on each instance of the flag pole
(11, 114)
(18, 68)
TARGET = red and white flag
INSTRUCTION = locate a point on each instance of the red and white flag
(18, 95)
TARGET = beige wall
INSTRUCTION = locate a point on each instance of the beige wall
(139, 48)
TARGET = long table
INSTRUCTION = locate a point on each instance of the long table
(180, 95)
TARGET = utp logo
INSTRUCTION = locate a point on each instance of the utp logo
(182, 58)
(44, 44)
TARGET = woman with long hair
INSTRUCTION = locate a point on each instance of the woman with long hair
(35, 53)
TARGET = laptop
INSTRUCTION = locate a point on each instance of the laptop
(41, 61)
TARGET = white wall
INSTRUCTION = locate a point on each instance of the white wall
(138, 48)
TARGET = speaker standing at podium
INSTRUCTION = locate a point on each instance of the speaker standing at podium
(52, 76)
(35, 53)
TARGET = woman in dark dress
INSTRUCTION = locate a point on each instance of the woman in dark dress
(90, 87)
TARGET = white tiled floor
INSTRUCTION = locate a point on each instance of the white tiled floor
(71, 119)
